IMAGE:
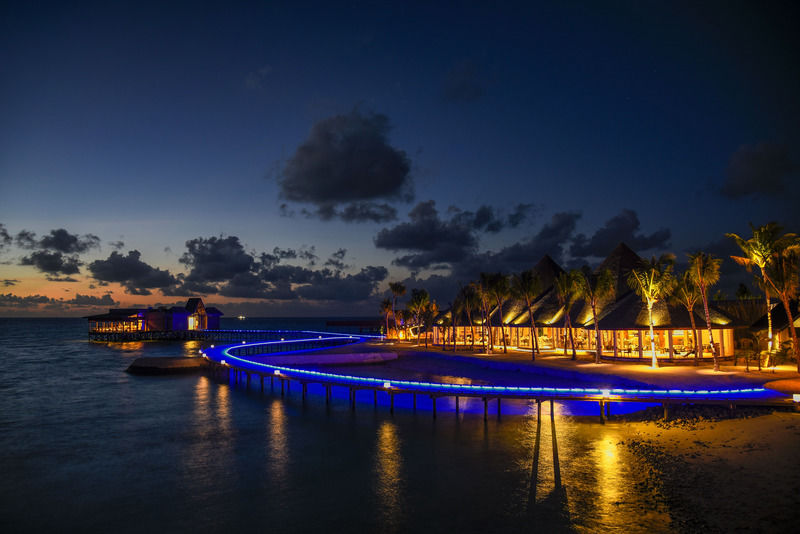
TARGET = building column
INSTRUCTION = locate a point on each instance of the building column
(671, 350)
(616, 350)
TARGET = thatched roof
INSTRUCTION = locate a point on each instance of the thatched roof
(779, 319)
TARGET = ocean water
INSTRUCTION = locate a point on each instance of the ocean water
(86, 447)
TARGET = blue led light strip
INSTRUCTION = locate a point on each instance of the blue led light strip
(227, 355)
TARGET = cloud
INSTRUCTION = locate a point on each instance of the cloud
(435, 242)
(335, 286)
(136, 276)
(58, 240)
(118, 245)
(215, 259)
(53, 263)
(8, 282)
(432, 239)
(620, 228)
(758, 170)
(90, 300)
(337, 260)
(463, 82)
(36, 303)
(60, 279)
(347, 160)
(367, 211)
(254, 80)
(5, 237)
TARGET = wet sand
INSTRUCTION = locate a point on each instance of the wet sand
(729, 475)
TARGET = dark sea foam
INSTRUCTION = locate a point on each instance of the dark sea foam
(87, 447)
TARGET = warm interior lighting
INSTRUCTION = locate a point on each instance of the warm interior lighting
(796, 397)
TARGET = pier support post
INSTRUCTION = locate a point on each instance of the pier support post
(608, 409)
(433, 400)
(375, 397)
(666, 412)
(262, 383)
(305, 390)
(327, 394)
(414, 402)
(248, 381)
(391, 403)
(282, 387)
(352, 399)
(271, 382)
(456, 404)
(498, 407)
(485, 409)
(602, 412)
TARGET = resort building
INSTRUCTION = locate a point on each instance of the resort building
(780, 322)
(194, 316)
(623, 321)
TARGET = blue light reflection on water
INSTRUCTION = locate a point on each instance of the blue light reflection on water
(87, 447)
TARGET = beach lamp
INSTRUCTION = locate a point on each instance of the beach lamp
(387, 385)
(212, 346)
(277, 372)
(223, 362)
(606, 393)
(795, 397)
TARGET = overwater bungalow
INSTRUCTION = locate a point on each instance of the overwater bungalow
(194, 316)
(623, 321)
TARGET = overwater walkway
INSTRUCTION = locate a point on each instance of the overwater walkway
(246, 361)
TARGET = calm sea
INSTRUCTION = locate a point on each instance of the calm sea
(86, 447)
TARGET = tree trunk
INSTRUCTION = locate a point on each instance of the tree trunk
(394, 318)
(598, 344)
(572, 341)
(694, 333)
(502, 326)
(769, 331)
(708, 325)
(792, 331)
(387, 326)
(533, 331)
(652, 335)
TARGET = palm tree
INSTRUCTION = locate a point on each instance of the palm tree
(386, 309)
(499, 291)
(484, 295)
(429, 311)
(758, 252)
(469, 300)
(594, 288)
(783, 277)
(653, 281)
(704, 271)
(527, 286)
(565, 289)
(398, 290)
(417, 306)
(686, 294)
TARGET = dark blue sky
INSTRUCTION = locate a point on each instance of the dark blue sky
(550, 127)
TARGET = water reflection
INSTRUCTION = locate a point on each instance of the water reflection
(278, 446)
(553, 509)
(389, 464)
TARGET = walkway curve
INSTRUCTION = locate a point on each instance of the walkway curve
(230, 356)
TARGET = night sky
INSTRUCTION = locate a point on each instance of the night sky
(292, 159)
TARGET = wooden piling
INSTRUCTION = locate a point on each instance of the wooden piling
(456, 404)
(485, 409)
(433, 400)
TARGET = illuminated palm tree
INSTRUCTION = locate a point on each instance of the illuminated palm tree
(420, 299)
(687, 294)
(594, 288)
(398, 290)
(429, 311)
(386, 309)
(527, 286)
(484, 296)
(653, 281)
(704, 271)
(783, 277)
(565, 289)
(758, 252)
(499, 291)
(468, 297)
